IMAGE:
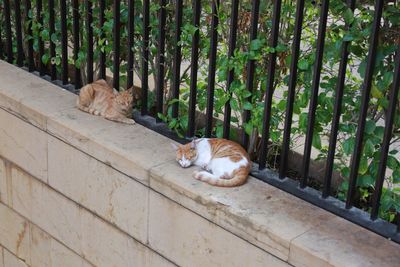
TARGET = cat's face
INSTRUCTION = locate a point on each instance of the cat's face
(186, 154)
(125, 101)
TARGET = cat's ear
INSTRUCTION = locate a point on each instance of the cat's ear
(193, 144)
(130, 90)
(175, 147)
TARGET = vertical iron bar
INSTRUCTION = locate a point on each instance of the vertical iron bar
(366, 89)
(386, 138)
(337, 110)
(53, 70)
(232, 46)
(7, 19)
(76, 17)
(116, 43)
(145, 56)
(18, 32)
(31, 62)
(193, 70)
(102, 63)
(64, 40)
(314, 94)
(131, 33)
(176, 77)
(270, 84)
(212, 68)
(292, 88)
(89, 29)
(40, 40)
(160, 59)
(251, 66)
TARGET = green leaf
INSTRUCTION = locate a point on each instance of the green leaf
(369, 148)
(303, 64)
(316, 141)
(363, 166)
(303, 118)
(365, 181)
(255, 44)
(248, 128)
(396, 176)
(375, 92)
(379, 131)
(247, 106)
(234, 104)
(392, 162)
(281, 48)
(45, 59)
(53, 38)
(348, 16)
(370, 127)
(348, 145)
(348, 37)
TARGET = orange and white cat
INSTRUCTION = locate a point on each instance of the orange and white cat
(99, 98)
(225, 162)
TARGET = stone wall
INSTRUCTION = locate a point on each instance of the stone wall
(77, 190)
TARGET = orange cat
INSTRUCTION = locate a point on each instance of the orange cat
(98, 98)
(225, 162)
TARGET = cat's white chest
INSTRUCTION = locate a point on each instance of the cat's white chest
(204, 153)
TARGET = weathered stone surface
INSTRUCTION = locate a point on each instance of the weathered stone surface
(3, 182)
(40, 248)
(112, 195)
(14, 233)
(61, 256)
(190, 240)
(106, 246)
(257, 212)
(29, 97)
(81, 231)
(1, 257)
(10, 260)
(131, 149)
(16, 145)
(49, 210)
(340, 243)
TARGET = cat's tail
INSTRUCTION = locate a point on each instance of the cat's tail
(238, 177)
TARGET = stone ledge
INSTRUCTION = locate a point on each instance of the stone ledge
(262, 215)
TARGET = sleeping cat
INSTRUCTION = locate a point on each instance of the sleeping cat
(99, 98)
(225, 162)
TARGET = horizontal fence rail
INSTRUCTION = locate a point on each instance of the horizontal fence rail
(309, 88)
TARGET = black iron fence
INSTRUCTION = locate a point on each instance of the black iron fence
(211, 58)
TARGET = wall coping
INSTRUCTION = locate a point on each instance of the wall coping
(275, 221)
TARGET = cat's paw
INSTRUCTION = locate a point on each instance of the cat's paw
(129, 121)
(196, 175)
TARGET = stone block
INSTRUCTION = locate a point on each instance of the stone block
(112, 195)
(257, 212)
(40, 248)
(30, 98)
(131, 149)
(10, 260)
(61, 256)
(190, 240)
(338, 242)
(14, 233)
(23, 144)
(51, 211)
